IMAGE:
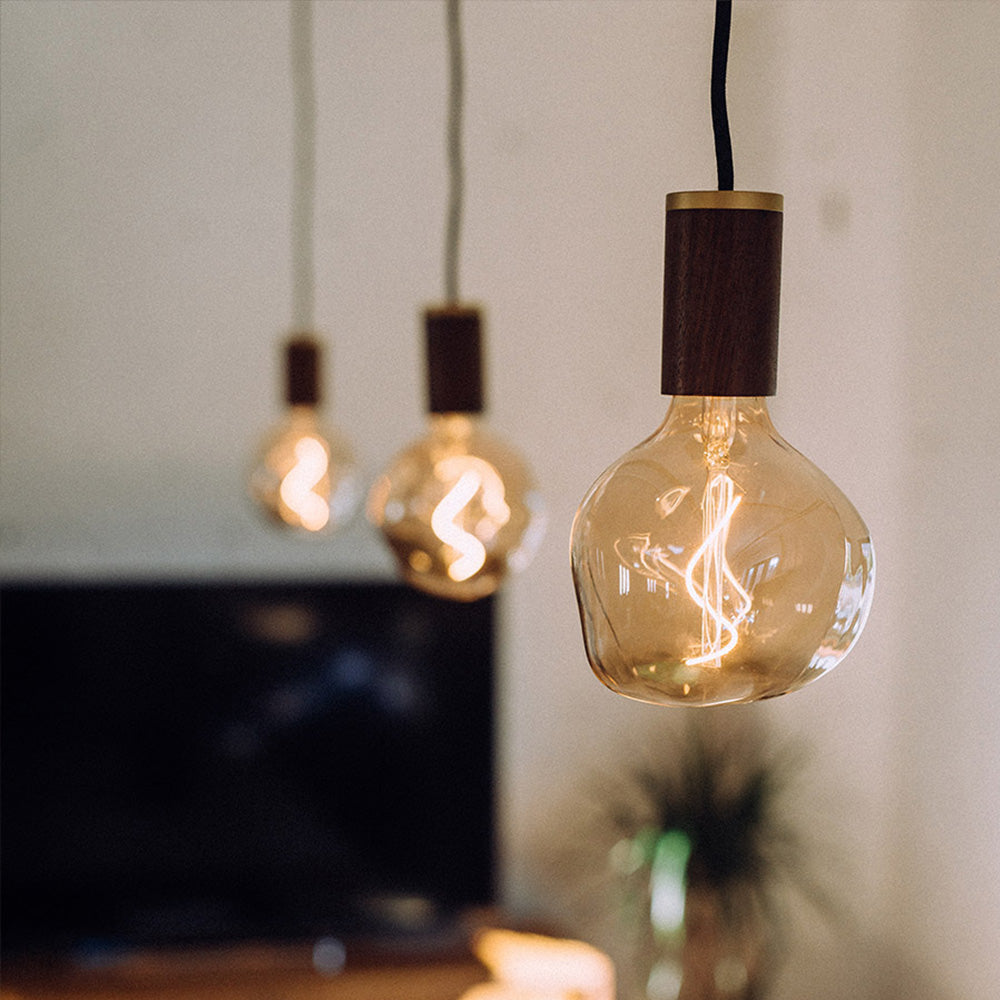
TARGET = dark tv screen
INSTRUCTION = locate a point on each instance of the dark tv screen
(210, 763)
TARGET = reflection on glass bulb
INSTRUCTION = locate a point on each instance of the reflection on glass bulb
(305, 477)
(714, 563)
(458, 509)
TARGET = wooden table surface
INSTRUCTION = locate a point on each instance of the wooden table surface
(249, 974)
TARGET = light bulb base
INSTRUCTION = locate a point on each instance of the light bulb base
(721, 291)
(302, 369)
(454, 359)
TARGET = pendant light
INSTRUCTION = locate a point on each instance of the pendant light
(305, 477)
(713, 563)
(458, 508)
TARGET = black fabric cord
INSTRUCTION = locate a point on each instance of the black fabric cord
(720, 116)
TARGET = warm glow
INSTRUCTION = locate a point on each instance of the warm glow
(304, 505)
(718, 633)
(305, 477)
(459, 510)
(472, 476)
(709, 588)
(542, 968)
(756, 571)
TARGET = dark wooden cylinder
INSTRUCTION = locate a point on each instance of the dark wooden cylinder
(454, 360)
(721, 289)
(302, 362)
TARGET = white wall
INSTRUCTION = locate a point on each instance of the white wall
(146, 286)
(949, 690)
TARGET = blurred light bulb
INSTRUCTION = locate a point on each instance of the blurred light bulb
(458, 508)
(714, 563)
(305, 476)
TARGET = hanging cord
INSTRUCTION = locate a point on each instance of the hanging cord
(720, 116)
(456, 170)
(303, 165)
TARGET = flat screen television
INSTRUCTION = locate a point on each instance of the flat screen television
(207, 763)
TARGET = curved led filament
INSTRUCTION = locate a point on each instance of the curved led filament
(710, 588)
(474, 477)
(297, 489)
(718, 633)
(471, 549)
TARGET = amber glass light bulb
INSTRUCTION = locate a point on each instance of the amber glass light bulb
(305, 477)
(714, 563)
(458, 508)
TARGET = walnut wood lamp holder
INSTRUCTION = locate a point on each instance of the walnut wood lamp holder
(721, 290)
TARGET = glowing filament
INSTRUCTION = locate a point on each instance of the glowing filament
(298, 486)
(718, 632)
(474, 477)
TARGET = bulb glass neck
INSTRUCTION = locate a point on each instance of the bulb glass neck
(302, 413)
(453, 426)
(709, 410)
(716, 423)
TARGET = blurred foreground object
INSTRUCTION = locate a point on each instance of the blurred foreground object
(534, 967)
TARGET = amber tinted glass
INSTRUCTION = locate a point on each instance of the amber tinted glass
(714, 563)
